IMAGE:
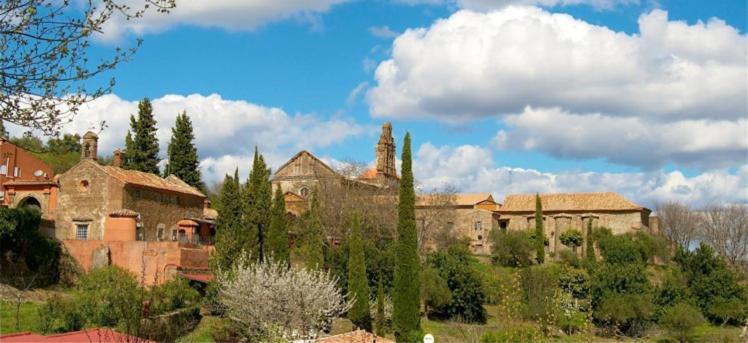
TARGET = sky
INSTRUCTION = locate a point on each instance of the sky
(648, 98)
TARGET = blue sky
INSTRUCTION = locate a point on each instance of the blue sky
(307, 61)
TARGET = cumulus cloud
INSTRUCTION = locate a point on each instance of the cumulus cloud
(470, 169)
(232, 15)
(476, 64)
(703, 144)
(226, 131)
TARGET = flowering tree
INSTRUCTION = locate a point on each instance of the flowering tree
(269, 301)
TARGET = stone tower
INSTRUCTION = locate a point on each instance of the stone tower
(89, 148)
(386, 153)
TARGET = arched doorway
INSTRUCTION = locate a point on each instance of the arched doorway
(30, 202)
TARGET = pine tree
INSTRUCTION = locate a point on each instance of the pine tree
(590, 243)
(129, 148)
(381, 325)
(358, 286)
(229, 234)
(277, 238)
(407, 290)
(142, 152)
(539, 231)
(3, 132)
(183, 161)
(313, 243)
(258, 203)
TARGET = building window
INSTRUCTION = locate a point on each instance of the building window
(480, 238)
(4, 169)
(304, 192)
(17, 171)
(84, 185)
(160, 232)
(140, 233)
(503, 225)
(81, 231)
(478, 225)
(173, 235)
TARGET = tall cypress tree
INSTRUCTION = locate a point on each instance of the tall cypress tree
(358, 286)
(539, 231)
(381, 325)
(313, 243)
(183, 161)
(142, 152)
(590, 243)
(3, 132)
(229, 234)
(277, 238)
(258, 203)
(407, 290)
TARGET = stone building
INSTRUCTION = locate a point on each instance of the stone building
(468, 216)
(565, 211)
(26, 181)
(137, 220)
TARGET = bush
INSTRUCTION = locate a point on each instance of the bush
(172, 295)
(457, 267)
(575, 282)
(539, 287)
(672, 291)
(629, 314)
(572, 239)
(110, 296)
(512, 248)
(570, 258)
(521, 333)
(680, 320)
(27, 259)
(434, 289)
(59, 315)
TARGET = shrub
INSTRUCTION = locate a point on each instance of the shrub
(680, 320)
(629, 314)
(520, 333)
(172, 295)
(434, 289)
(59, 315)
(672, 291)
(512, 248)
(572, 239)
(110, 296)
(28, 258)
(570, 258)
(575, 282)
(727, 310)
(539, 286)
(457, 267)
(269, 301)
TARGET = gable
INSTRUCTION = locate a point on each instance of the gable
(304, 165)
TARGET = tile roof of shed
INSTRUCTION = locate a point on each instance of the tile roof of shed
(601, 201)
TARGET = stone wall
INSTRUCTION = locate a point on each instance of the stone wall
(160, 208)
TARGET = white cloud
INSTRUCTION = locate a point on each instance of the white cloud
(632, 141)
(471, 169)
(382, 32)
(498, 4)
(486, 64)
(232, 15)
(226, 131)
(356, 92)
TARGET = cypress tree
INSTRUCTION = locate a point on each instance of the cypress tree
(407, 290)
(313, 242)
(142, 152)
(590, 244)
(358, 286)
(277, 240)
(3, 132)
(380, 319)
(539, 231)
(258, 203)
(229, 235)
(183, 160)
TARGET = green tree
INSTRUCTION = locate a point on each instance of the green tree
(230, 235)
(258, 195)
(680, 320)
(512, 248)
(572, 239)
(590, 244)
(142, 154)
(434, 290)
(277, 240)
(380, 320)
(3, 131)
(457, 267)
(182, 153)
(407, 290)
(312, 241)
(539, 231)
(358, 286)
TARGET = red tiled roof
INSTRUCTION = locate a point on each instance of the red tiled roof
(88, 335)
(358, 336)
(133, 177)
(603, 201)
(199, 277)
(370, 173)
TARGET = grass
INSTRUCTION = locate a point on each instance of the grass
(204, 330)
(29, 317)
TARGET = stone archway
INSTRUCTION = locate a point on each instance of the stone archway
(30, 202)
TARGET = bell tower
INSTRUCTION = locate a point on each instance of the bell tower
(89, 148)
(386, 152)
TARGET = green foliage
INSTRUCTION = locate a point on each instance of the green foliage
(110, 296)
(456, 266)
(715, 287)
(539, 285)
(621, 295)
(570, 258)
(277, 240)
(182, 153)
(258, 202)
(636, 247)
(517, 333)
(627, 313)
(681, 320)
(512, 248)
(575, 281)
(311, 240)
(59, 314)
(434, 289)
(673, 290)
(28, 258)
(230, 235)
(380, 319)
(589, 244)
(358, 287)
(142, 149)
(172, 295)
(572, 239)
(60, 153)
(406, 316)
(539, 231)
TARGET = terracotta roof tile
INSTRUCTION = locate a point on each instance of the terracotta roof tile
(171, 183)
(358, 336)
(460, 199)
(369, 173)
(607, 201)
(124, 213)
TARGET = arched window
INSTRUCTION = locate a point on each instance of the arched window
(304, 192)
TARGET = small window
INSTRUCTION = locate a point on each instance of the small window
(480, 238)
(304, 192)
(4, 169)
(478, 225)
(17, 171)
(173, 235)
(160, 232)
(81, 231)
(503, 225)
(84, 185)
(140, 233)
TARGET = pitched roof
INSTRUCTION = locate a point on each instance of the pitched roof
(134, 177)
(460, 199)
(305, 153)
(358, 336)
(602, 201)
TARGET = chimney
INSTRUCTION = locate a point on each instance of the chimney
(89, 148)
(118, 158)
